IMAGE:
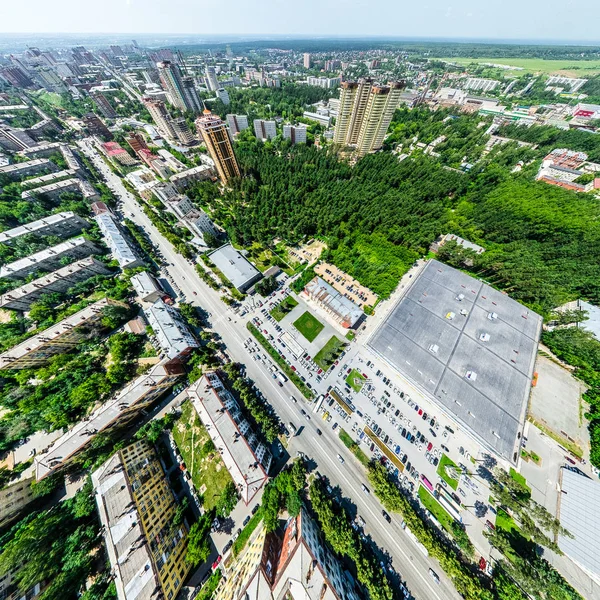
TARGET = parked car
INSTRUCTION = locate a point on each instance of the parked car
(217, 562)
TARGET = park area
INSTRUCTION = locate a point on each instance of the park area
(205, 465)
(283, 308)
(308, 326)
(355, 380)
(442, 471)
(567, 67)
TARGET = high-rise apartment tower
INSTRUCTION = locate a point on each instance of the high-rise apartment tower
(217, 140)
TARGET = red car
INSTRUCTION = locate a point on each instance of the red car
(292, 367)
(482, 563)
(570, 460)
(420, 411)
(429, 446)
(490, 525)
(217, 562)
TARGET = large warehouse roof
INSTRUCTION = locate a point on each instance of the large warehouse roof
(470, 347)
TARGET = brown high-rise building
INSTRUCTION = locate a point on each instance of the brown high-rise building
(95, 125)
(137, 142)
(216, 137)
(104, 105)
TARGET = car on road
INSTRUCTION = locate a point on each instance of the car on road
(340, 458)
(217, 562)
(434, 576)
(365, 489)
(319, 432)
(227, 546)
(246, 520)
(386, 516)
(302, 411)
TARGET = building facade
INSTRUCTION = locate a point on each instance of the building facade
(295, 133)
(217, 140)
(137, 507)
(265, 130)
(237, 123)
(62, 225)
(160, 115)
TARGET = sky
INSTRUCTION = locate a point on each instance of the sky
(557, 20)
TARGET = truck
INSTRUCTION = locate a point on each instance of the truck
(281, 377)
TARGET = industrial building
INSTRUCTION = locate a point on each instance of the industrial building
(145, 544)
(147, 287)
(118, 412)
(468, 347)
(58, 339)
(62, 225)
(238, 270)
(578, 514)
(49, 259)
(120, 248)
(339, 308)
(296, 565)
(247, 458)
(60, 281)
(170, 329)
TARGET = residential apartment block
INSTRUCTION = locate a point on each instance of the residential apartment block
(297, 565)
(62, 225)
(265, 130)
(295, 133)
(61, 280)
(117, 413)
(146, 547)
(121, 250)
(365, 112)
(324, 82)
(49, 259)
(246, 457)
(170, 329)
(217, 140)
(19, 170)
(237, 123)
(13, 499)
(53, 191)
(184, 178)
(62, 337)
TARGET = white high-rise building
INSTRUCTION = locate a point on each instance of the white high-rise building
(237, 123)
(295, 133)
(212, 83)
(265, 130)
(307, 60)
(223, 96)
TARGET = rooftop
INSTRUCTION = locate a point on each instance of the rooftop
(343, 307)
(235, 267)
(221, 416)
(467, 346)
(71, 223)
(120, 248)
(579, 515)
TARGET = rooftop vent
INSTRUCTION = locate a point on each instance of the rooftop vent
(434, 348)
(492, 316)
(460, 297)
(450, 316)
(484, 337)
(471, 375)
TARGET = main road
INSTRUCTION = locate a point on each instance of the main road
(407, 559)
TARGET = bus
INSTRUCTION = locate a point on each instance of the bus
(426, 483)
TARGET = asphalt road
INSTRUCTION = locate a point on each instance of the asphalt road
(407, 559)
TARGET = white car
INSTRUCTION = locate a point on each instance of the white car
(340, 458)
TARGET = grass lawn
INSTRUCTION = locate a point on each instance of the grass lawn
(308, 326)
(441, 471)
(354, 447)
(328, 354)
(243, 538)
(435, 508)
(283, 308)
(355, 380)
(505, 521)
(204, 463)
(577, 68)
(519, 479)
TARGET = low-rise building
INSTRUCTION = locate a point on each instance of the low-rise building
(297, 565)
(451, 237)
(58, 339)
(341, 309)
(184, 178)
(17, 171)
(319, 118)
(42, 180)
(62, 225)
(49, 259)
(238, 270)
(346, 285)
(246, 457)
(61, 280)
(121, 250)
(173, 163)
(13, 499)
(172, 332)
(47, 149)
(53, 191)
(181, 205)
(200, 224)
(147, 287)
(115, 151)
(145, 543)
(117, 413)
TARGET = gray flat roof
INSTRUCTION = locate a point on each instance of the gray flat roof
(580, 516)
(433, 337)
(235, 267)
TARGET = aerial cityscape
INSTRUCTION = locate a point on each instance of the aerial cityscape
(311, 314)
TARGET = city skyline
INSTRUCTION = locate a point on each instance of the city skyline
(434, 20)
